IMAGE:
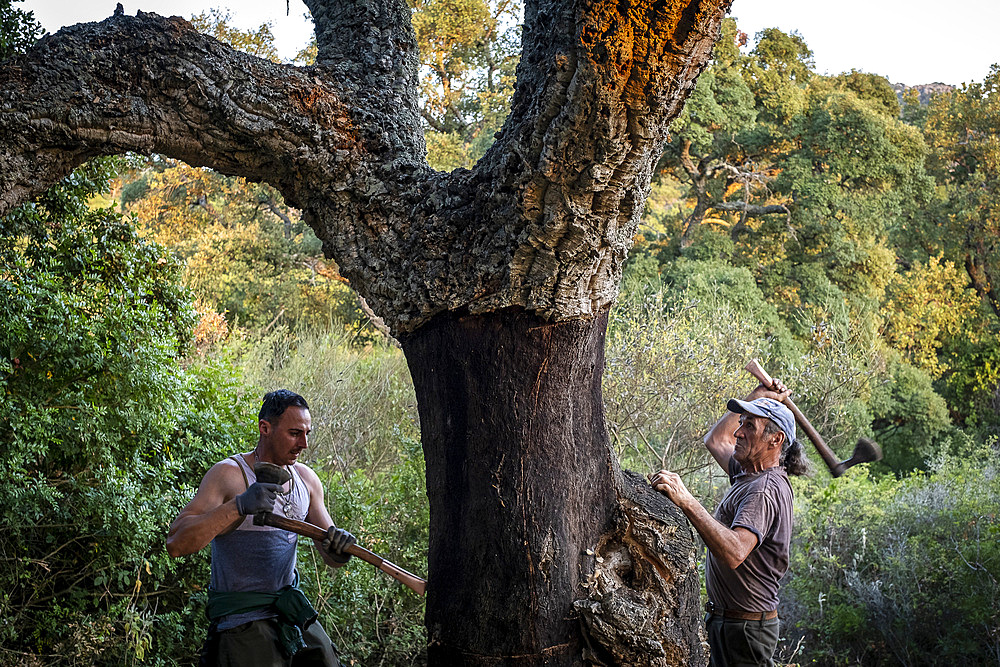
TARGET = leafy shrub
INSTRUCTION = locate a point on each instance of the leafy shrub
(906, 571)
(102, 434)
(910, 419)
(373, 619)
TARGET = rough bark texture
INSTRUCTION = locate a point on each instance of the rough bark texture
(543, 222)
(536, 533)
(498, 279)
(643, 606)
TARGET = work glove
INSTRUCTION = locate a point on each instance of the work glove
(336, 540)
(259, 497)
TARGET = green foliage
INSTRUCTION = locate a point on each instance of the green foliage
(927, 307)
(677, 345)
(960, 225)
(245, 253)
(807, 175)
(970, 387)
(871, 88)
(468, 54)
(18, 29)
(720, 106)
(912, 111)
(902, 571)
(101, 432)
(779, 67)
(851, 179)
(910, 418)
(371, 617)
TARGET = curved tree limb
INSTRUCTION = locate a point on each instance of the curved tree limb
(751, 210)
(154, 84)
(543, 222)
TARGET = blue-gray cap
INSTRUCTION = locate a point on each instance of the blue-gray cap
(769, 409)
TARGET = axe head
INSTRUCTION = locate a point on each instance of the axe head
(865, 451)
(268, 473)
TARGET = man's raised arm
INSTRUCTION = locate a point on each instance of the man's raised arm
(721, 438)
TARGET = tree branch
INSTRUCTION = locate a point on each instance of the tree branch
(752, 210)
(154, 84)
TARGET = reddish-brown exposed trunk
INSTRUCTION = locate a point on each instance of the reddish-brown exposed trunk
(521, 483)
(525, 492)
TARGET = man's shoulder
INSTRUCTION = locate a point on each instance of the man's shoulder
(226, 472)
(772, 481)
(307, 474)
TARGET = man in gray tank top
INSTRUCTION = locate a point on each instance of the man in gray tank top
(748, 538)
(258, 615)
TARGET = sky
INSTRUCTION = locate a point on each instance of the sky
(907, 41)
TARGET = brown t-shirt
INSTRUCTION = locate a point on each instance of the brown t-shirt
(762, 503)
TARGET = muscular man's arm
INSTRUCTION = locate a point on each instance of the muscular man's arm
(212, 511)
(721, 441)
(318, 515)
(730, 545)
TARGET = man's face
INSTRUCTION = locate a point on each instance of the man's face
(753, 448)
(287, 436)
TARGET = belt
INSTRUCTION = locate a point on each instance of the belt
(715, 610)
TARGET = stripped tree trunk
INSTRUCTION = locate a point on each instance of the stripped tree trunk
(497, 280)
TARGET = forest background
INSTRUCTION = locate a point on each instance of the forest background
(841, 232)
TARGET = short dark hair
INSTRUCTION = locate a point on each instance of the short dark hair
(276, 402)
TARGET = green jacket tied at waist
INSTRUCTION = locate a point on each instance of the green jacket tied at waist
(295, 614)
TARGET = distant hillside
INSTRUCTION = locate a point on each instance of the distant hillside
(926, 90)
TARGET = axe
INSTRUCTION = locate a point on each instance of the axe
(273, 474)
(864, 452)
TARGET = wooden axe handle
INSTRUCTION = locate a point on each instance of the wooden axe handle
(410, 580)
(825, 453)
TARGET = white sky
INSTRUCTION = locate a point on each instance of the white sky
(908, 41)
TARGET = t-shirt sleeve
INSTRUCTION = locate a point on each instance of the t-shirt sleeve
(757, 514)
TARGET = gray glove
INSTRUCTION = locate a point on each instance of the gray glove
(338, 539)
(259, 497)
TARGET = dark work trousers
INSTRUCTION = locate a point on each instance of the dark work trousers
(256, 644)
(738, 643)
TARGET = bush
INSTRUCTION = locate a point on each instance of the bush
(372, 618)
(910, 419)
(900, 571)
(102, 435)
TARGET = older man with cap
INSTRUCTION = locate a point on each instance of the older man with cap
(748, 538)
